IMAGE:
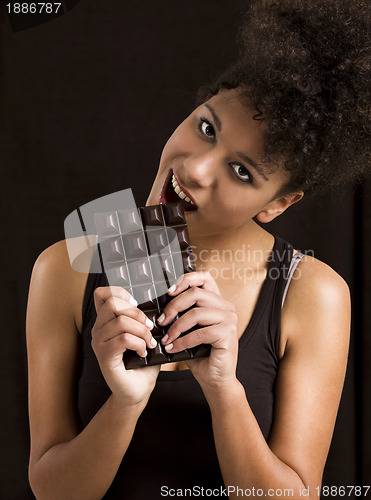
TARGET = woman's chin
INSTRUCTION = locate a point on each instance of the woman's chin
(196, 229)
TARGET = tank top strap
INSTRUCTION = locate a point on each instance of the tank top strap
(281, 269)
(293, 265)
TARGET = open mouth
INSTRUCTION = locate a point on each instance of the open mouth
(169, 194)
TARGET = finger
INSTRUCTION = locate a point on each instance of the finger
(192, 296)
(114, 307)
(208, 335)
(115, 348)
(102, 293)
(123, 324)
(202, 279)
(197, 316)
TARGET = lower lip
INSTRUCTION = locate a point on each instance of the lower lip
(190, 211)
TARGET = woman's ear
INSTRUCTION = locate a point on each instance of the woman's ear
(277, 206)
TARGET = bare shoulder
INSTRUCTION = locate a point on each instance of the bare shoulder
(317, 295)
(54, 280)
(57, 257)
(53, 259)
(314, 279)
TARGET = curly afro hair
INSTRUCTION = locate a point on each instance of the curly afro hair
(305, 67)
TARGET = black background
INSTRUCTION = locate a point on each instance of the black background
(87, 102)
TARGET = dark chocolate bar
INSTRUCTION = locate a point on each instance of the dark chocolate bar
(145, 250)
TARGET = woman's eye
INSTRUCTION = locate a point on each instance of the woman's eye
(206, 128)
(241, 172)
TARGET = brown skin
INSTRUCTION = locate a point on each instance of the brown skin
(67, 463)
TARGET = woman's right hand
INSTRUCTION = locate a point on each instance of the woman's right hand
(120, 325)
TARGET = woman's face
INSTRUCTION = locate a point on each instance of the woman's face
(214, 158)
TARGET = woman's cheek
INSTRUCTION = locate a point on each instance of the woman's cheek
(234, 214)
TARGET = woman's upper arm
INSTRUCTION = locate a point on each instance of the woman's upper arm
(316, 327)
(55, 298)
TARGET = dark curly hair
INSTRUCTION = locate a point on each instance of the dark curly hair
(305, 67)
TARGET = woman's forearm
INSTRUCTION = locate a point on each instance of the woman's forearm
(84, 467)
(245, 459)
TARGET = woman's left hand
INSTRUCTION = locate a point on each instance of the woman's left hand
(217, 320)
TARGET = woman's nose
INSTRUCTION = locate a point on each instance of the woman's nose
(200, 170)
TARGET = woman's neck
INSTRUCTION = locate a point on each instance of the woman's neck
(247, 247)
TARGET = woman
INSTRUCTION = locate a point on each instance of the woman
(258, 414)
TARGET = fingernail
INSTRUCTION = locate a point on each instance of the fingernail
(165, 337)
(168, 347)
(153, 343)
(145, 353)
(172, 288)
(161, 318)
(149, 323)
(133, 301)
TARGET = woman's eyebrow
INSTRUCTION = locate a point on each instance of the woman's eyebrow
(246, 158)
(253, 164)
(218, 123)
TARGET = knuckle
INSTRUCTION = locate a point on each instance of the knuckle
(94, 332)
(100, 291)
(171, 307)
(195, 313)
(111, 303)
(125, 341)
(182, 277)
(176, 327)
(122, 321)
(172, 330)
(233, 328)
(199, 334)
(123, 338)
(124, 294)
(206, 275)
(139, 315)
(232, 316)
(232, 308)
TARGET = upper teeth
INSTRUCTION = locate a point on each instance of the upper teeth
(179, 192)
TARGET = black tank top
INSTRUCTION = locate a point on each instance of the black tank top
(173, 444)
